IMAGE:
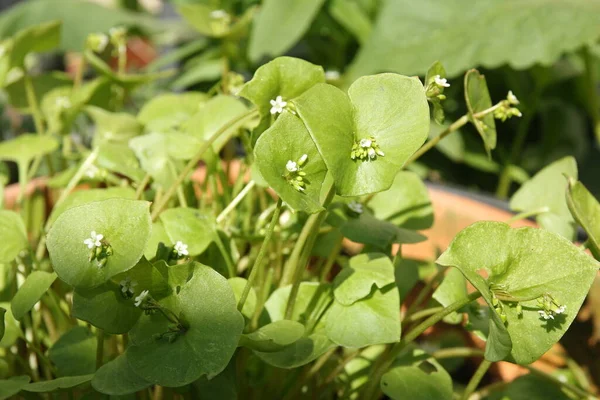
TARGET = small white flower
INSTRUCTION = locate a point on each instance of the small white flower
(545, 315)
(561, 309)
(94, 240)
(512, 99)
(291, 166)
(127, 285)
(139, 300)
(91, 171)
(181, 249)
(218, 14)
(63, 102)
(332, 75)
(365, 143)
(277, 105)
(302, 159)
(371, 152)
(441, 82)
(356, 207)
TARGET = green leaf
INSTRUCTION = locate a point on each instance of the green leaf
(547, 190)
(82, 197)
(530, 387)
(214, 326)
(190, 226)
(31, 291)
(147, 276)
(120, 159)
(65, 382)
(274, 336)
(41, 84)
(2, 324)
(405, 204)
(153, 152)
(381, 234)
(416, 375)
(125, 225)
(452, 289)
(237, 285)
(91, 305)
(12, 330)
(207, 19)
(301, 352)
(158, 235)
(117, 378)
(484, 33)
(170, 111)
(586, 211)
(436, 70)
(287, 77)
(364, 271)
(222, 386)
(477, 98)
(351, 15)
(524, 263)
(26, 147)
(279, 25)
(288, 140)
(11, 386)
(212, 116)
(113, 127)
(13, 235)
(74, 353)
(390, 109)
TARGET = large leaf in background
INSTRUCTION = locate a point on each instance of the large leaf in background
(288, 140)
(169, 111)
(207, 304)
(279, 25)
(31, 291)
(41, 84)
(586, 211)
(26, 147)
(125, 225)
(416, 375)
(351, 14)
(79, 18)
(547, 190)
(113, 127)
(13, 235)
(119, 159)
(405, 204)
(465, 34)
(117, 378)
(477, 98)
(355, 281)
(74, 353)
(390, 109)
(212, 116)
(190, 226)
(524, 262)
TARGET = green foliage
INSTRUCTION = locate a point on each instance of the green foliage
(65, 382)
(34, 287)
(274, 336)
(586, 211)
(478, 99)
(74, 353)
(10, 387)
(13, 235)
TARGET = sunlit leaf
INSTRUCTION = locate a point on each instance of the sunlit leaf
(190, 226)
(355, 281)
(586, 211)
(31, 291)
(274, 336)
(13, 235)
(169, 111)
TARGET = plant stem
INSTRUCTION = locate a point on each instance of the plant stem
(421, 314)
(426, 290)
(476, 378)
(234, 203)
(335, 250)
(194, 161)
(33, 104)
(99, 348)
(142, 185)
(261, 254)
(231, 268)
(457, 352)
(527, 214)
(372, 386)
(591, 77)
(80, 73)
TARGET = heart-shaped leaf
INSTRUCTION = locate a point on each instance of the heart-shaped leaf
(522, 265)
(477, 98)
(405, 204)
(586, 211)
(190, 226)
(125, 226)
(13, 235)
(364, 271)
(169, 111)
(74, 353)
(279, 153)
(213, 328)
(117, 378)
(31, 291)
(274, 336)
(65, 382)
(371, 320)
(416, 375)
(382, 121)
(546, 190)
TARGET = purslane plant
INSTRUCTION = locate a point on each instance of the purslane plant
(153, 280)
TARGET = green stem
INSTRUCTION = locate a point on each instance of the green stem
(231, 268)
(420, 315)
(335, 250)
(260, 256)
(426, 290)
(194, 161)
(457, 352)
(236, 201)
(592, 86)
(310, 236)
(476, 378)
(142, 185)
(372, 386)
(99, 348)
(79, 76)
(527, 214)
(34, 107)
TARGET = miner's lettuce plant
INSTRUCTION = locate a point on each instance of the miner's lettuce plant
(145, 278)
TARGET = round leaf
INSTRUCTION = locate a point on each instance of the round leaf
(125, 225)
(26, 147)
(207, 304)
(274, 336)
(169, 111)
(117, 378)
(13, 235)
(190, 226)
(32, 290)
(524, 262)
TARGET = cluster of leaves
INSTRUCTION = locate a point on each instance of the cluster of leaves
(191, 285)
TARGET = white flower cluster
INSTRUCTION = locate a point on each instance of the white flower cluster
(277, 105)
